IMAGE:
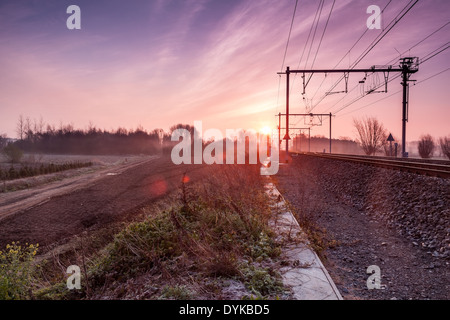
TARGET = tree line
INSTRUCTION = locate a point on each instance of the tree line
(372, 136)
(65, 139)
(36, 136)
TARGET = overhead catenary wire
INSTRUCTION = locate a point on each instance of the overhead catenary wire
(386, 97)
(421, 41)
(347, 53)
(323, 33)
(425, 58)
(429, 56)
(318, 47)
(315, 30)
(320, 41)
(375, 42)
(433, 54)
(395, 21)
(307, 41)
(362, 35)
(285, 51)
(289, 35)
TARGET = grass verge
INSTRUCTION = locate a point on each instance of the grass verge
(210, 234)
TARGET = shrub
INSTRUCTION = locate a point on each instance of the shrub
(27, 171)
(426, 146)
(12, 173)
(177, 292)
(214, 225)
(16, 271)
(445, 146)
(140, 246)
(261, 281)
(13, 153)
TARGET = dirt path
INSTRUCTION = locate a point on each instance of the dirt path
(408, 271)
(52, 213)
(18, 201)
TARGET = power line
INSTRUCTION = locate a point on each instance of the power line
(435, 53)
(315, 30)
(289, 35)
(415, 45)
(370, 104)
(307, 40)
(359, 98)
(320, 43)
(359, 39)
(394, 22)
(429, 56)
(356, 42)
(309, 34)
(341, 98)
(318, 47)
(323, 33)
(285, 51)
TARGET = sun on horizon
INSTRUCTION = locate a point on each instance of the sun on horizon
(265, 130)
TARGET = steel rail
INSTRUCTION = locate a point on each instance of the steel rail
(423, 168)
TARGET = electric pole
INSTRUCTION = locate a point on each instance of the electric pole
(408, 66)
(286, 137)
(305, 115)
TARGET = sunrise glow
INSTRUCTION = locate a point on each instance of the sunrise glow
(266, 130)
(158, 63)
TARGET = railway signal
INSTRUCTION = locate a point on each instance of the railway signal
(390, 139)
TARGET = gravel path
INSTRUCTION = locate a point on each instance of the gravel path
(394, 220)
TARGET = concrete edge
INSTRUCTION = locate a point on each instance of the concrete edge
(312, 282)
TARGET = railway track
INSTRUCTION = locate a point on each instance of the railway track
(441, 170)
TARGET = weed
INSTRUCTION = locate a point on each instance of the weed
(16, 270)
(205, 231)
(29, 171)
(57, 291)
(264, 247)
(139, 246)
(262, 282)
(317, 236)
(224, 264)
(177, 292)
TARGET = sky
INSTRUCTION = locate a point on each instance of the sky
(163, 62)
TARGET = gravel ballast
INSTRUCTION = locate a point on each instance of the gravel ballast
(396, 220)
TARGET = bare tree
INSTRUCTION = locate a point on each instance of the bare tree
(445, 146)
(3, 140)
(41, 125)
(426, 146)
(28, 129)
(20, 128)
(372, 134)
